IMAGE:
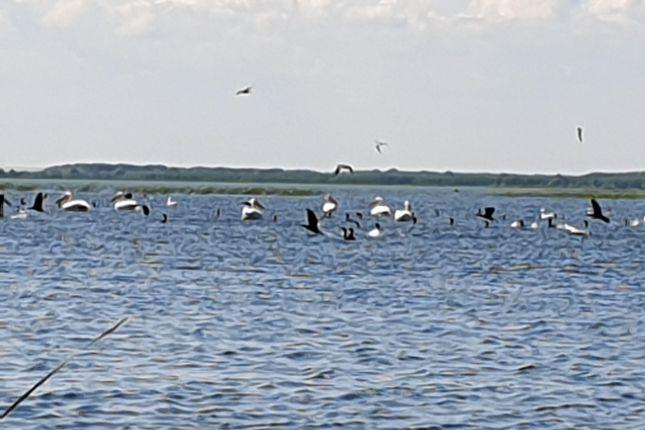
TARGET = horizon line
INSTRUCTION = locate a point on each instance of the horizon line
(34, 169)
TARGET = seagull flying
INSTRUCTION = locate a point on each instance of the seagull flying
(244, 91)
(380, 144)
(343, 167)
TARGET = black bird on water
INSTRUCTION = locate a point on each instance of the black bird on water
(595, 212)
(348, 233)
(348, 219)
(487, 215)
(343, 168)
(313, 225)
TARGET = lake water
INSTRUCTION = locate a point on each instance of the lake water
(259, 325)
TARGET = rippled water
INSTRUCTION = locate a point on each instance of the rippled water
(260, 325)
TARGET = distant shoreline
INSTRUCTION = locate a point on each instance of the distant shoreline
(633, 181)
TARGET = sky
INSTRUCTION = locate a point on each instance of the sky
(459, 85)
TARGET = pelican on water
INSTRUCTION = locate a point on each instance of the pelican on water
(124, 202)
(405, 214)
(69, 204)
(329, 206)
(379, 208)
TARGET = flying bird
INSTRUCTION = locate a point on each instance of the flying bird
(487, 215)
(343, 167)
(379, 145)
(579, 130)
(595, 212)
(244, 91)
(312, 222)
(39, 202)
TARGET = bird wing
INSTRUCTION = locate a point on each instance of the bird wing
(337, 171)
(312, 222)
(348, 167)
(38, 201)
(489, 211)
(378, 148)
(596, 207)
(580, 134)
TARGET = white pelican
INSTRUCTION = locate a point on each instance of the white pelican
(68, 203)
(329, 206)
(170, 202)
(376, 232)
(379, 208)
(252, 210)
(124, 202)
(405, 214)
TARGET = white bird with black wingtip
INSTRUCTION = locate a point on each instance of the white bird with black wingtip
(69, 204)
(252, 210)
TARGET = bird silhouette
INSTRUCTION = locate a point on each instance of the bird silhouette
(313, 224)
(379, 145)
(244, 91)
(595, 212)
(343, 168)
(487, 215)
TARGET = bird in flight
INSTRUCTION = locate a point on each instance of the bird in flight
(380, 144)
(313, 224)
(595, 212)
(487, 215)
(579, 129)
(343, 167)
(244, 91)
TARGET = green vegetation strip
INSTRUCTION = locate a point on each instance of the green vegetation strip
(572, 193)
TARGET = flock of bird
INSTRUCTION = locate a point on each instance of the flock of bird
(379, 210)
(253, 210)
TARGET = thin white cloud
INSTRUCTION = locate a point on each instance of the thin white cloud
(508, 10)
(132, 17)
(611, 10)
(65, 12)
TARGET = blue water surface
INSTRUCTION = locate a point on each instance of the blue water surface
(259, 325)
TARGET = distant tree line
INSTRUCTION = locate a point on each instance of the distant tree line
(100, 171)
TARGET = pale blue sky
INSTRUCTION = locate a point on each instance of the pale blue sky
(461, 85)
